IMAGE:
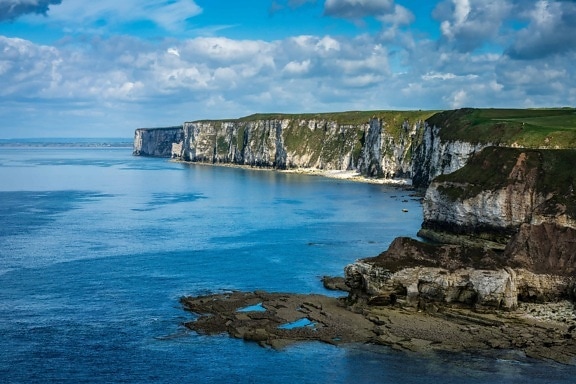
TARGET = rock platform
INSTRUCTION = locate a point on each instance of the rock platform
(279, 319)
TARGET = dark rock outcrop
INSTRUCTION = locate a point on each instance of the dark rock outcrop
(454, 274)
(547, 248)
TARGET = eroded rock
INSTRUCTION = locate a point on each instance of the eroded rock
(531, 330)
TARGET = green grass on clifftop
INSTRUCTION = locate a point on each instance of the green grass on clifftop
(532, 128)
(348, 117)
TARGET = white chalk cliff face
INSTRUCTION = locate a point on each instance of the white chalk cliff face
(156, 142)
(256, 143)
(435, 157)
(500, 208)
(376, 148)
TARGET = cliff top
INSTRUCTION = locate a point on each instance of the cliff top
(347, 117)
(532, 128)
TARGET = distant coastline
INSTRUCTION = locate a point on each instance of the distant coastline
(68, 142)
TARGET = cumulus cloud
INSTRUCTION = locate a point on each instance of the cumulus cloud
(398, 16)
(525, 29)
(297, 67)
(123, 69)
(357, 9)
(12, 9)
(469, 24)
(551, 30)
(547, 81)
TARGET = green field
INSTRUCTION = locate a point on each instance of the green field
(393, 118)
(534, 128)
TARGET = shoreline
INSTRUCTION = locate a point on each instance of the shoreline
(263, 317)
(349, 175)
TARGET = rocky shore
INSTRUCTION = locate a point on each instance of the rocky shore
(542, 331)
(498, 268)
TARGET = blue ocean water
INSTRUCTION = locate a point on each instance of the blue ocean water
(97, 246)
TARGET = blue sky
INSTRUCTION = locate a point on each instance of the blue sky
(103, 68)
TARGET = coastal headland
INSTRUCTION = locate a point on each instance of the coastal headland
(495, 266)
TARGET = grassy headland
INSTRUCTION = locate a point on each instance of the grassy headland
(532, 128)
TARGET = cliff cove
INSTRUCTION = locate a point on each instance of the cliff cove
(498, 215)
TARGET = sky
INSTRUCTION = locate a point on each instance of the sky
(73, 68)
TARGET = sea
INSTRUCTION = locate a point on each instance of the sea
(97, 247)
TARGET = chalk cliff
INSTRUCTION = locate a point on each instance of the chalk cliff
(376, 144)
(156, 142)
(500, 189)
(435, 156)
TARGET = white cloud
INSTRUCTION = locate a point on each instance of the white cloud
(399, 16)
(173, 51)
(446, 76)
(26, 68)
(297, 67)
(223, 50)
(469, 24)
(457, 99)
(439, 76)
(328, 44)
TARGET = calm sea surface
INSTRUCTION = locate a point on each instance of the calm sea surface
(97, 246)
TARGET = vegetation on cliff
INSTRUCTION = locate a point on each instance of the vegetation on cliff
(549, 171)
(376, 143)
(352, 123)
(530, 128)
(348, 117)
